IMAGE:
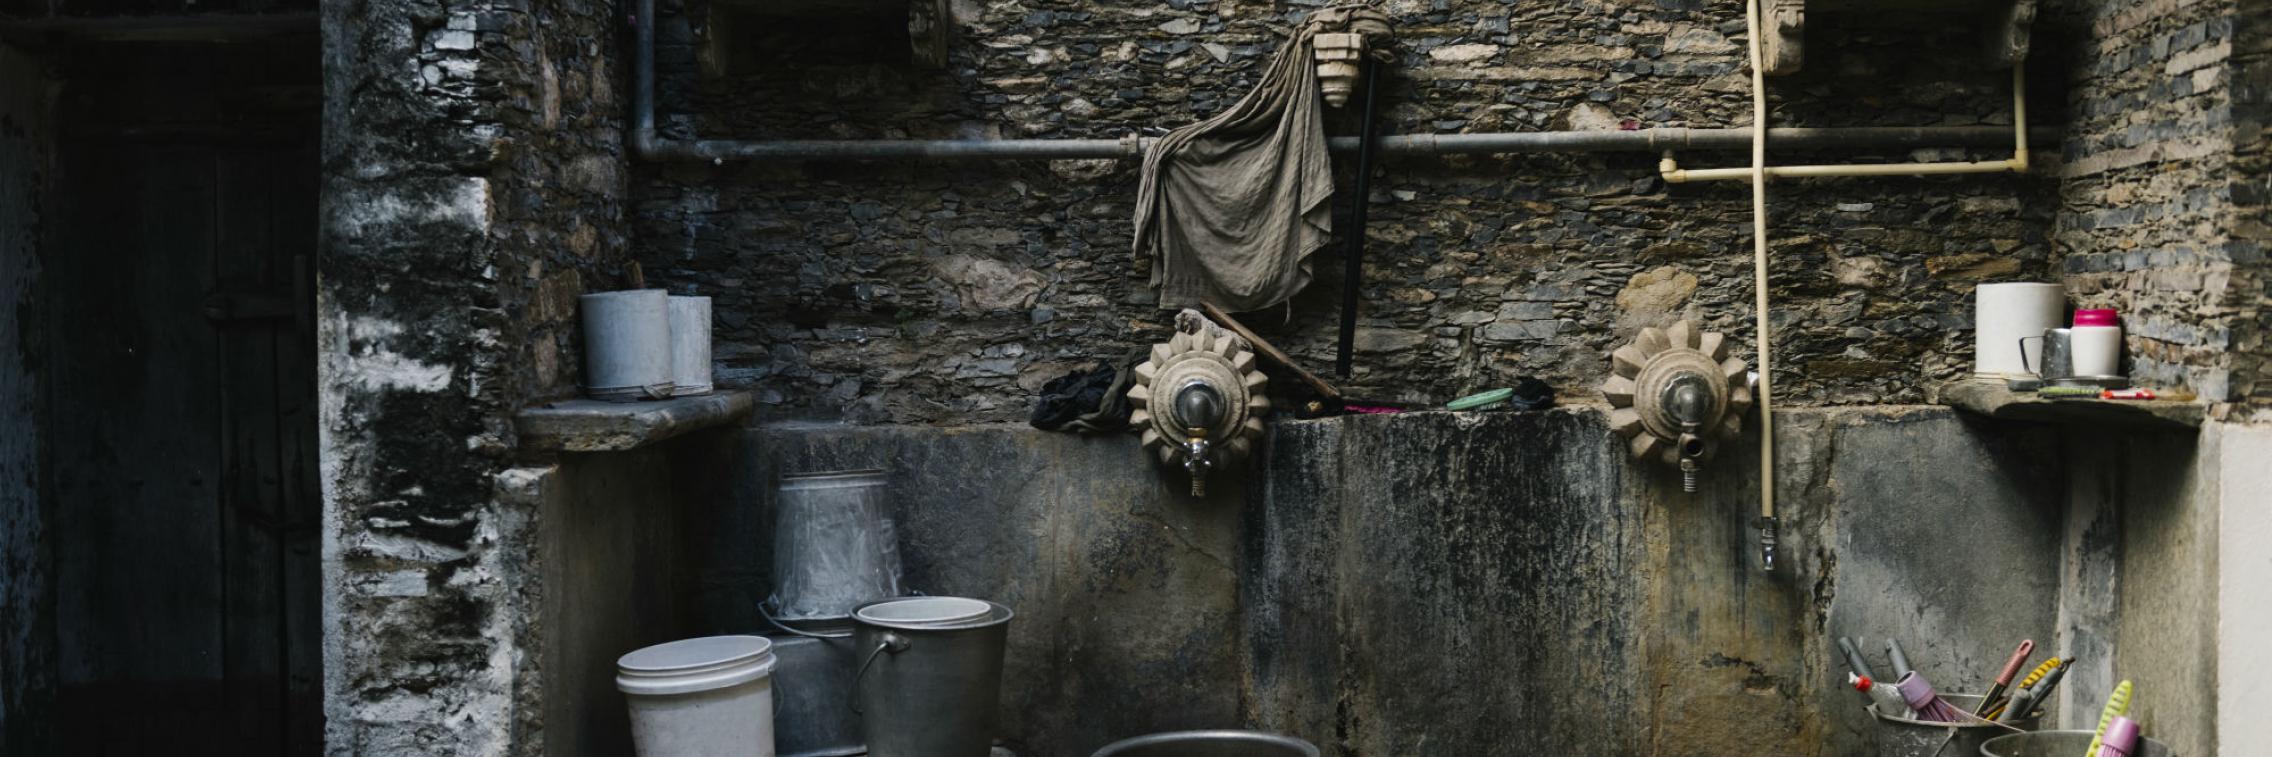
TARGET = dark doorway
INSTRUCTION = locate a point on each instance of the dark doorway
(182, 491)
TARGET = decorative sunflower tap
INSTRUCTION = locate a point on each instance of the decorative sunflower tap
(1199, 398)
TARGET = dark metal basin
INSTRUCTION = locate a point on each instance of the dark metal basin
(1210, 744)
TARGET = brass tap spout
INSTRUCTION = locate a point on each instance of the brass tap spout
(1198, 459)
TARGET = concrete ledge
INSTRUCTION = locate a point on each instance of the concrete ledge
(1992, 399)
(588, 425)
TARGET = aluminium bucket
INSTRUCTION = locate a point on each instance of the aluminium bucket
(930, 677)
(627, 345)
(690, 346)
(1898, 736)
(1210, 744)
(834, 548)
(2060, 744)
(811, 685)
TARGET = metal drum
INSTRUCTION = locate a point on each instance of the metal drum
(930, 676)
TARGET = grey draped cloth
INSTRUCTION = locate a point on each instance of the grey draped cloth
(1231, 208)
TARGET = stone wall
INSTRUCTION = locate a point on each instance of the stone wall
(2156, 189)
(473, 186)
(2251, 286)
(949, 292)
(25, 650)
(1446, 583)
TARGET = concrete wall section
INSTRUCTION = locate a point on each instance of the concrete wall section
(1447, 583)
(613, 576)
(1442, 583)
(1126, 590)
(1431, 574)
(2141, 591)
(2244, 571)
(26, 664)
(1948, 539)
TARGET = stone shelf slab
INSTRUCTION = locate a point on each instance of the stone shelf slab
(588, 425)
(1994, 400)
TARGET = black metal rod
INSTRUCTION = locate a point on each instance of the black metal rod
(1353, 257)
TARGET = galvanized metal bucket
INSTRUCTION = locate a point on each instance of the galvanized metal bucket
(834, 548)
(929, 685)
(2059, 744)
(627, 345)
(690, 345)
(1210, 744)
(1898, 736)
(810, 686)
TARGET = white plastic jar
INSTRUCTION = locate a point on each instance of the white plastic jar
(706, 697)
(2096, 343)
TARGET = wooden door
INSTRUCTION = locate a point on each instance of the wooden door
(181, 402)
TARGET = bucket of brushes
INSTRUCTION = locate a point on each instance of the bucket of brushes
(1937, 723)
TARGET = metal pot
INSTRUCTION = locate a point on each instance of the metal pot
(1210, 744)
(929, 684)
(2060, 744)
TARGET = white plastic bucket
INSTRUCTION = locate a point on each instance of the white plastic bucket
(2003, 314)
(706, 697)
(627, 345)
(690, 345)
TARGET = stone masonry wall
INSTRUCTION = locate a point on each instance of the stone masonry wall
(2250, 86)
(473, 184)
(949, 292)
(2149, 188)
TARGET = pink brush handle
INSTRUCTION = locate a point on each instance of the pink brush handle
(2019, 657)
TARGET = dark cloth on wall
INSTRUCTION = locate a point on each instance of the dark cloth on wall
(1231, 208)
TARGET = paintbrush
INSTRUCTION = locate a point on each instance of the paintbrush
(1854, 660)
(2027, 696)
(1894, 655)
(2004, 679)
(2117, 705)
(2051, 681)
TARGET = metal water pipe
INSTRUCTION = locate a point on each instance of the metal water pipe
(648, 144)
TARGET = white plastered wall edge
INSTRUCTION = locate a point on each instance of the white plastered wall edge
(2244, 589)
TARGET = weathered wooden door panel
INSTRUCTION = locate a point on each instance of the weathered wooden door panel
(182, 402)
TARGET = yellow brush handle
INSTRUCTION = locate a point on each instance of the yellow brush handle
(2116, 706)
(2039, 672)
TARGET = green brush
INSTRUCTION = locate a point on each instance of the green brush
(1482, 400)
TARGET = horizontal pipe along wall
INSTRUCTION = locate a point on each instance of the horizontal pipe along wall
(919, 291)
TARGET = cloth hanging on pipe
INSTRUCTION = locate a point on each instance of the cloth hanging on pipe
(1231, 208)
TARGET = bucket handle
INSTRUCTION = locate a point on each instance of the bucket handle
(890, 642)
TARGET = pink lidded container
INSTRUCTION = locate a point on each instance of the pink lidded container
(2097, 343)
